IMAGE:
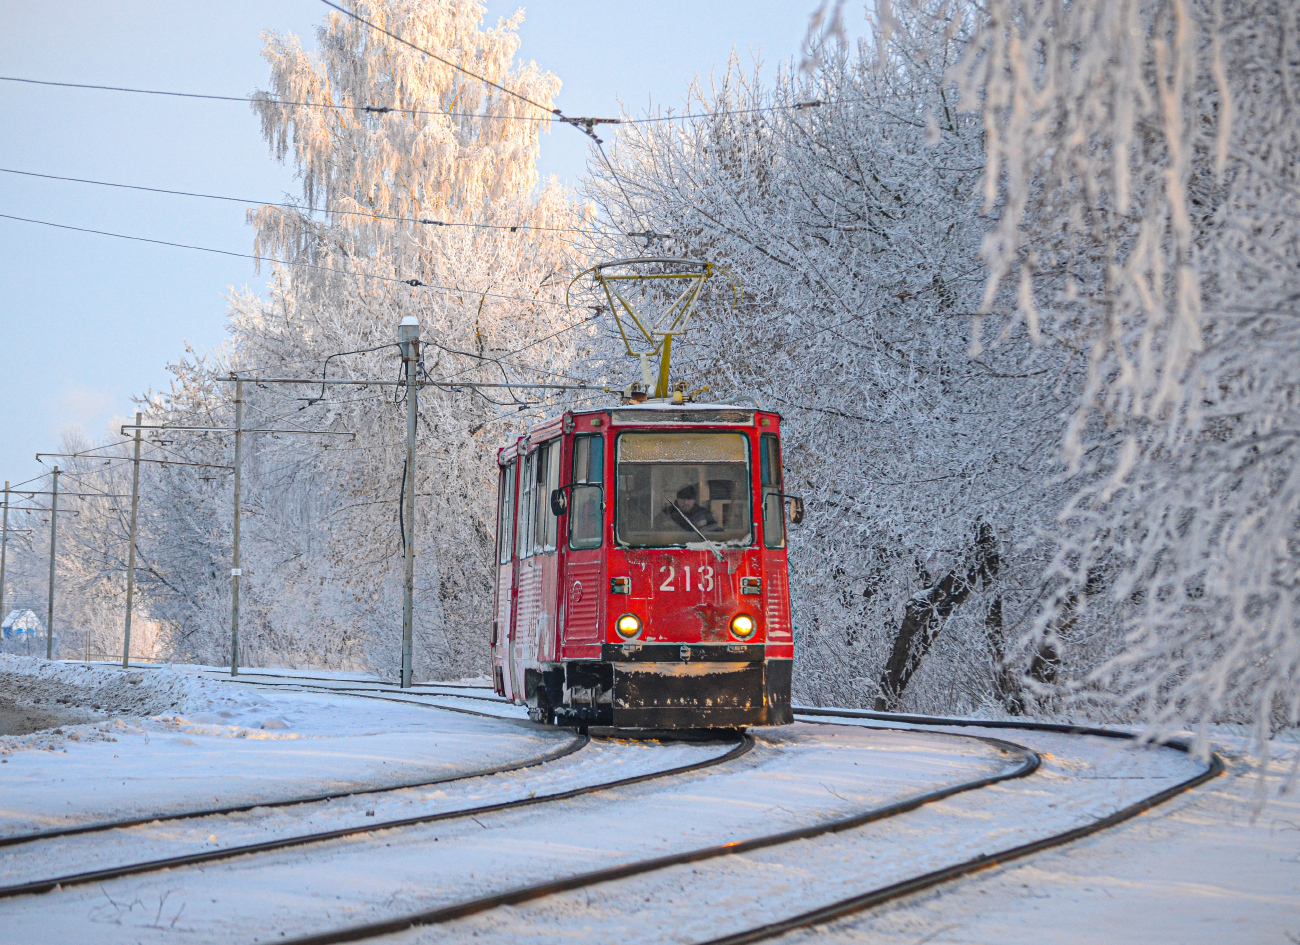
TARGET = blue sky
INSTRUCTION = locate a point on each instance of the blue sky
(86, 322)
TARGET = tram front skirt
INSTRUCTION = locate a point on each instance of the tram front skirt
(698, 686)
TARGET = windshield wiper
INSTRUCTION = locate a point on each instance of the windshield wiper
(709, 543)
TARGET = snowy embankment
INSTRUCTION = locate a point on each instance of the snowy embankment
(160, 739)
(1217, 864)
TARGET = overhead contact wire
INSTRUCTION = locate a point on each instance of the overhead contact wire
(293, 206)
(384, 109)
(414, 283)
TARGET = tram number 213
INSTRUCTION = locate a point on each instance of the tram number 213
(703, 578)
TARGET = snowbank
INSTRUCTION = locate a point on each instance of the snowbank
(82, 702)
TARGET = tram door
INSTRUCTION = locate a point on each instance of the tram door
(582, 597)
(534, 624)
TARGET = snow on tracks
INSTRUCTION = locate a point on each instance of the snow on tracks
(794, 779)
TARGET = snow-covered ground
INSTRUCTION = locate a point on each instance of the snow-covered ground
(167, 740)
(1220, 864)
(1213, 865)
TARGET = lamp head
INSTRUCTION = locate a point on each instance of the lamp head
(408, 336)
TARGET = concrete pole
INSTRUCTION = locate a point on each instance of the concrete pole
(54, 524)
(408, 336)
(235, 572)
(130, 552)
(4, 548)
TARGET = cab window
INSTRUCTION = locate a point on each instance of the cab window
(680, 489)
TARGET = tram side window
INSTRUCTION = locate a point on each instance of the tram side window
(524, 531)
(773, 502)
(545, 477)
(506, 521)
(585, 517)
(536, 529)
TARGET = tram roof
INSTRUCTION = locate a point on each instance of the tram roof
(726, 414)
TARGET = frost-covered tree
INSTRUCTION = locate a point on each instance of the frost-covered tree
(1142, 172)
(847, 201)
(407, 141)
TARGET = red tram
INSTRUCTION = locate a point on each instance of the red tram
(642, 579)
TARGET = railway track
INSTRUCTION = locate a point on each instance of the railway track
(410, 698)
(576, 743)
(1029, 763)
(1026, 764)
(744, 743)
(888, 893)
(459, 690)
(292, 684)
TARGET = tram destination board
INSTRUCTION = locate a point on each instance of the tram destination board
(745, 417)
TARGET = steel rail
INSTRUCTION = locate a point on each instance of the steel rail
(495, 700)
(743, 746)
(1028, 765)
(354, 687)
(308, 687)
(984, 861)
(223, 675)
(578, 743)
(378, 682)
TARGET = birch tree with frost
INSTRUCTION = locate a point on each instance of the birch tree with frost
(1142, 166)
(407, 139)
(847, 201)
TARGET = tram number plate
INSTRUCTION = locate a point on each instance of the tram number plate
(702, 578)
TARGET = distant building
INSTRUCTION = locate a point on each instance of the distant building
(21, 624)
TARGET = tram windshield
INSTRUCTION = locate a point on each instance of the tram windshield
(677, 489)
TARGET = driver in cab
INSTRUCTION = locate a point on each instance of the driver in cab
(686, 512)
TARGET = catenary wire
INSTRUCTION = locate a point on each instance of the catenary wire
(446, 62)
(585, 125)
(414, 283)
(292, 206)
(382, 109)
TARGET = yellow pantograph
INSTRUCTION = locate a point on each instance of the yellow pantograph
(655, 335)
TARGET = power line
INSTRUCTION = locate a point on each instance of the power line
(724, 112)
(510, 354)
(586, 125)
(292, 206)
(414, 283)
(267, 100)
(398, 109)
(555, 112)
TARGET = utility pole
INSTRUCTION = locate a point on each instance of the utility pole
(239, 431)
(408, 339)
(235, 572)
(4, 548)
(135, 507)
(130, 552)
(54, 520)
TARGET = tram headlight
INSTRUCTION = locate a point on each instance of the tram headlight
(628, 626)
(743, 626)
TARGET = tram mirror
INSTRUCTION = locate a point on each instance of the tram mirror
(559, 502)
(796, 511)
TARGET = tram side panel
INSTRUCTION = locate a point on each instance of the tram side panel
(536, 548)
(775, 590)
(503, 604)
